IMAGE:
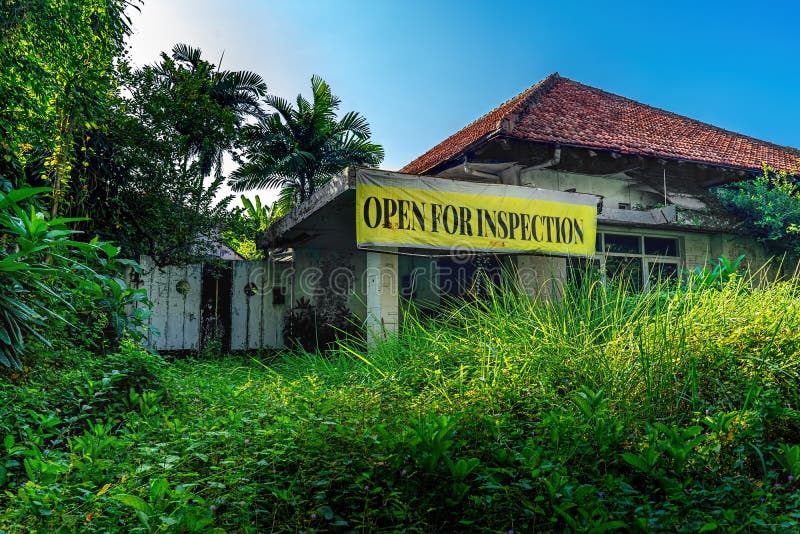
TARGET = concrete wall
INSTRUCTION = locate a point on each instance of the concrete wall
(541, 277)
(330, 278)
(422, 276)
(703, 248)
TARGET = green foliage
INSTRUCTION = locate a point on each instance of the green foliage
(175, 509)
(300, 147)
(664, 412)
(715, 276)
(37, 256)
(154, 172)
(260, 215)
(124, 309)
(769, 207)
(246, 223)
(56, 76)
(42, 269)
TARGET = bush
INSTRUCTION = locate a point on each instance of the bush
(769, 207)
(44, 272)
(671, 411)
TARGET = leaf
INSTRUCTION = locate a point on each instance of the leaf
(709, 526)
(636, 461)
(16, 195)
(159, 488)
(137, 503)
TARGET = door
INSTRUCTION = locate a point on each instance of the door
(215, 307)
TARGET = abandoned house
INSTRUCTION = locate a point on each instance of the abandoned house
(644, 173)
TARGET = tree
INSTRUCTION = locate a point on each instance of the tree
(56, 76)
(769, 207)
(297, 149)
(149, 186)
(189, 82)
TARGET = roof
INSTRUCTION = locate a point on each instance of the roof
(560, 111)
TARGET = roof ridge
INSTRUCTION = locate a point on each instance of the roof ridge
(535, 91)
(534, 94)
(684, 117)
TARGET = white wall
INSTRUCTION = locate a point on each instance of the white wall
(175, 321)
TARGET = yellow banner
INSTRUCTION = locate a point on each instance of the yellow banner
(445, 214)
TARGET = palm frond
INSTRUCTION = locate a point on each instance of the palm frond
(299, 147)
(243, 80)
(187, 54)
(355, 123)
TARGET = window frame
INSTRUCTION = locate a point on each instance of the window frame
(645, 260)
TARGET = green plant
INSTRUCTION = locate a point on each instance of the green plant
(716, 276)
(124, 309)
(299, 148)
(169, 508)
(789, 459)
(659, 412)
(36, 257)
(431, 442)
(769, 207)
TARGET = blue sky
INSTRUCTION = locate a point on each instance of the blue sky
(420, 70)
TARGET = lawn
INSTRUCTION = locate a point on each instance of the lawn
(670, 411)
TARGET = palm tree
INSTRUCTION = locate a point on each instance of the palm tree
(300, 148)
(190, 79)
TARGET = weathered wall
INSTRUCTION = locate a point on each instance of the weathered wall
(614, 190)
(330, 278)
(421, 275)
(541, 277)
(703, 248)
(175, 292)
(256, 311)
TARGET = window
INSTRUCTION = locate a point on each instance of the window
(638, 261)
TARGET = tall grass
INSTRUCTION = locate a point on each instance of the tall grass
(654, 354)
(671, 410)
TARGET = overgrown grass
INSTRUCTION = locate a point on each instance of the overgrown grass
(604, 411)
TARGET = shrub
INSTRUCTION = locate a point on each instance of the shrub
(43, 271)
(769, 207)
(670, 411)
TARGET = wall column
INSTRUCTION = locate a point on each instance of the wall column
(542, 277)
(382, 295)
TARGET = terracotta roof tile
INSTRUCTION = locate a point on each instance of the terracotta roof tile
(560, 111)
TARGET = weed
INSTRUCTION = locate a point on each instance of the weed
(674, 410)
